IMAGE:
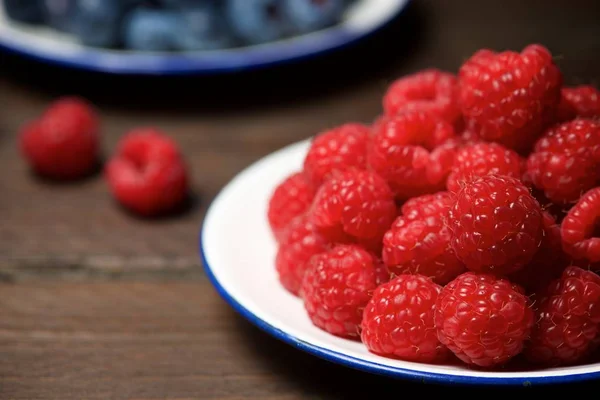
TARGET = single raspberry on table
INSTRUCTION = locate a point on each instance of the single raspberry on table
(428, 205)
(337, 286)
(148, 174)
(353, 206)
(292, 197)
(398, 321)
(400, 152)
(566, 161)
(496, 225)
(482, 319)
(580, 229)
(580, 101)
(63, 143)
(567, 319)
(337, 149)
(298, 243)
(429, 90)
(510, 97)
(549, 261)
(481, 159)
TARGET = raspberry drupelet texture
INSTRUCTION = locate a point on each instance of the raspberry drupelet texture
(291, 198)
(579, 101)
(579, 229)
(549, 261)
(63, 143)
(428, 205)
(353, 206)
(430, 90)
(510, 97)
(567, 319)
(337, 149)
(565, 162)
(337, 286)
(398, 321)
(298, 243)
(400, 152)
(148, 174)
(496, 225)
(481, 159)
(483, 320)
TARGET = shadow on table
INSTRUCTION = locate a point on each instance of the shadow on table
(369, 59)
(313, 376)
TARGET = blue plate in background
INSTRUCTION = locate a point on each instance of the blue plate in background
(47, 45)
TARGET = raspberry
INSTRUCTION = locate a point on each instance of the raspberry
(421, 246)
(548, 262)
(567, 319)
(148, 175)
(496, 225)
(337, 149)
(398, 321)
(580, 235)
(566, 161)
(292, 197)
(430, 90)
(400, 152)
(428, 205)
(337, 286)
(510, 97)
(298, 243)
(580, 101)
(353, 205)
(481, 159)
(483, 320)
(63, 143)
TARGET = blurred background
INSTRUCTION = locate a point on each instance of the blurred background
(96, 303)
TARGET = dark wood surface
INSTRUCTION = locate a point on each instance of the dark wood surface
(97, 304)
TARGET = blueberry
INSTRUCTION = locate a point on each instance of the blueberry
(29, 11)
(310, 15)
(96, 22)
(256, 21)
(152, 30)
(203, 28)
(59, 14)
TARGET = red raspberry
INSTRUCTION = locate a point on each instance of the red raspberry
(398, 321)
(567, 319)
(580, 101)
(496, 225)
(428, 205)
(549, 261)
(400, 152)
(292, 197)
(510, 97)
(337, 286)
(566, 160)
(353, 205)
(148, 175)
(430, 90)
(579, 229)
(421, 246)
(337, 149)
(483, 320)
(482, 159)
(298, 243)
(64, 143)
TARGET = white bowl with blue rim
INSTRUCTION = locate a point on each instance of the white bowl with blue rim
(361, 19)
(238, 254)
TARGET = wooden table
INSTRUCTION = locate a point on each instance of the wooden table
(96, 304)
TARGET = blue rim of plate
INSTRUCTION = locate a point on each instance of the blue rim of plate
(372, 367)
(365, 365)
(212, 62)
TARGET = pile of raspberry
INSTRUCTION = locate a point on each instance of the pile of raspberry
(463, 224)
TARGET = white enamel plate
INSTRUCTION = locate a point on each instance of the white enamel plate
(238, 253)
